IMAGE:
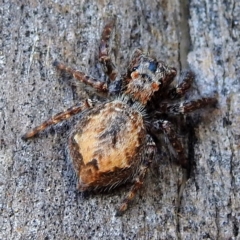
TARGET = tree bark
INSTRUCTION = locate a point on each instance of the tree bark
(38, 197)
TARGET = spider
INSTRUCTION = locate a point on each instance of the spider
(113, 142)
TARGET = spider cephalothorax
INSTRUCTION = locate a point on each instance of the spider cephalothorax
(113, 142)
(147, 77)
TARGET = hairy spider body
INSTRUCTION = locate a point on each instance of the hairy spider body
(107, 145)
(113, 142)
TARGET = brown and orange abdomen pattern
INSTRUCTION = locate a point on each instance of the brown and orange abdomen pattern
(107, 145)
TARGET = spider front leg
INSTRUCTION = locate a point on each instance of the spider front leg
(58, 118)
(185, 84)
(137, 53)
(82, 77)
(149, 155)
(168, 130)
(104, 57)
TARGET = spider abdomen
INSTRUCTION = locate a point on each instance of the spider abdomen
(107, 144)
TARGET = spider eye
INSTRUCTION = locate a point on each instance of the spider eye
(134, 68)
(152, 66)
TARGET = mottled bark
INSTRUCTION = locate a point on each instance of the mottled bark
(38, 199)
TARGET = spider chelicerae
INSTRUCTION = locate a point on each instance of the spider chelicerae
(113, 142)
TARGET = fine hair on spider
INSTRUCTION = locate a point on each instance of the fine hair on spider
(113, 142)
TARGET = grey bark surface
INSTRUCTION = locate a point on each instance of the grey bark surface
(38, 197)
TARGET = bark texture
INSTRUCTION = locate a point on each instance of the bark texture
(38, 199)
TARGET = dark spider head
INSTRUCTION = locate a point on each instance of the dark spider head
(146, 76)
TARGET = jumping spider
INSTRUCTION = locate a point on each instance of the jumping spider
(113, 143)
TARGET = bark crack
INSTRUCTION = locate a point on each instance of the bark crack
(184, 34)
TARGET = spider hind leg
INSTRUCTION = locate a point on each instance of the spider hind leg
(149, 155)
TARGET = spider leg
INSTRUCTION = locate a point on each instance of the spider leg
(168, 130)
(135, 58)
(186, 107)
(138, 181)
(58, 118)
(98, 85)
(104, 57)
(180, 90)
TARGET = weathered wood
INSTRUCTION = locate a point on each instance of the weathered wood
(38, 199)
(210, 206)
